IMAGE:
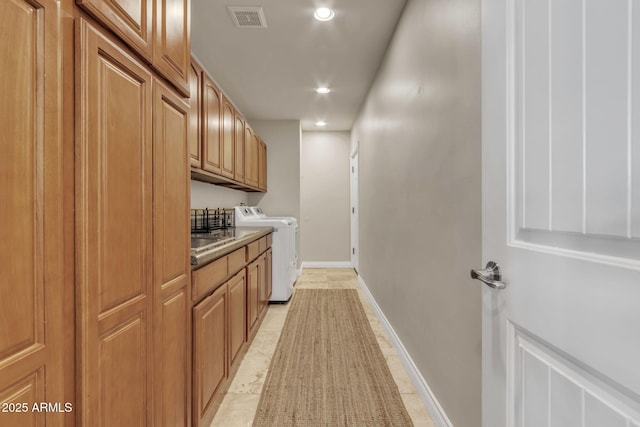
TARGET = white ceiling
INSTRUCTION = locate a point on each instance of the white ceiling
(271, 73)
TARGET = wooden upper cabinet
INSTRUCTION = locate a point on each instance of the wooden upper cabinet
(172, 44)
(250, 157)
(228, 137)
(255, 158)
(114, 208)
(195, 115)
(165, 43)
(262, 165)
(211, 126)
(131, 20)
(239, 169)
(230, 151)
(33, 247)
(172, 270)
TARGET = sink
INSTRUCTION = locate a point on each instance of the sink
(199, 244)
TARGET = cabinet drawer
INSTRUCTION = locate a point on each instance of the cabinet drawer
(209, 277)
(262, 243)
(253, 250)
(269, 240)
(236, 261)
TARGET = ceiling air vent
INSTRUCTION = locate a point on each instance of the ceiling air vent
(247, 16)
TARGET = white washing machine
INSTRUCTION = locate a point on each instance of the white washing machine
(284, 248)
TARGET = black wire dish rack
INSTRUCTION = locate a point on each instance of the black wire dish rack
(207, 219)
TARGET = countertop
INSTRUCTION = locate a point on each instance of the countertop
(243, 236)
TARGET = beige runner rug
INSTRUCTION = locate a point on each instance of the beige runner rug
(328, 369)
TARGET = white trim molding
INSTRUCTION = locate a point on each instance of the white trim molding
(436, 411)
(326, 264)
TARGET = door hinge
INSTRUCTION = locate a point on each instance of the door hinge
(353, 250)
(353, 210)
(353, 169)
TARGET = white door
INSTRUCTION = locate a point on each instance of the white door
(561, 212)
(355, 255)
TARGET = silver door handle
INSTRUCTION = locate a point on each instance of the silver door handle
(490, 276)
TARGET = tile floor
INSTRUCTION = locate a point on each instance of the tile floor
(241, 402)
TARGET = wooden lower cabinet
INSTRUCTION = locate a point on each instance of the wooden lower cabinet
(263, 292)
(219, 335)
(237, 315)
(269, 273)
(210, 355)
(253, 286)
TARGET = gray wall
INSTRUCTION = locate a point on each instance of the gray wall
(205, 195)
(324, 197)
(283, 167)
(420, 196)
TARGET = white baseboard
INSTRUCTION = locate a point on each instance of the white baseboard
(436, 411)
(326, 264)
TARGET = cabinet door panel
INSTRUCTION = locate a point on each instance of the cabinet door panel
(211, 125)
(195, 115)
(173, 371)
(269, 274)
(262, 165)
(255, 158)
(237, 314)
(32, 215)
(252, 295)
(122, 374)
(210, 353)
(263, 297)
(171, 261)
(131, 20)
(239, 169)
(250, 157)
(228, 138)
(113, 211)
(172, 44)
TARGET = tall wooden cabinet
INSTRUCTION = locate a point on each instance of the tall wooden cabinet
(172, 269)
(165, 42)
(114, 234)
(33, 216)
(132, 271)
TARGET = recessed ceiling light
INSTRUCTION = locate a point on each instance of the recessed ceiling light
(323, 90)
(324, 14)
(321, 123)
